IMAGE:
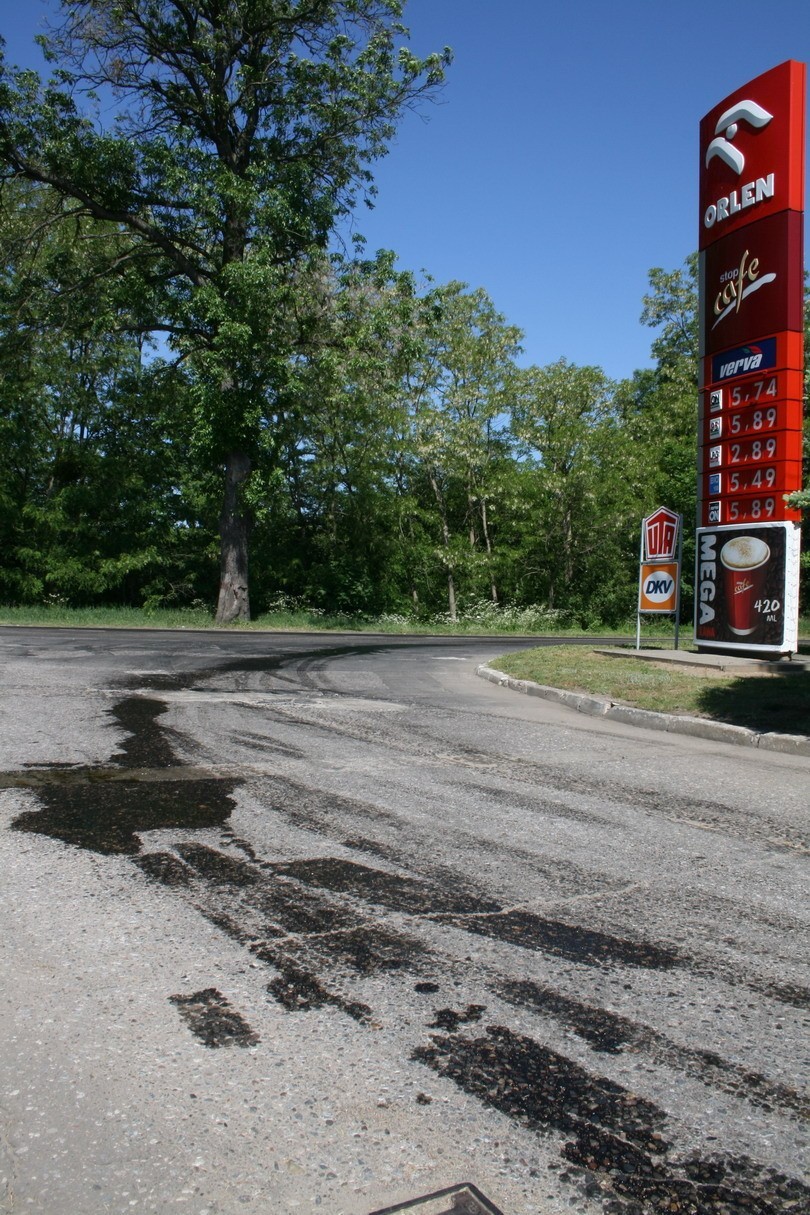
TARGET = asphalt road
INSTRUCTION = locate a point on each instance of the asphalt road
(295, 923)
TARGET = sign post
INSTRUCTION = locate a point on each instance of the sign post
(659, 582)
(751, 365)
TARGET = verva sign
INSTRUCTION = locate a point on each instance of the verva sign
(784, 349)
(752, 153)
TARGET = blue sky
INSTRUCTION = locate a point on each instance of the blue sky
(561, 162)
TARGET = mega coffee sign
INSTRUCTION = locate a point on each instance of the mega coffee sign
(752, 363)
(742, 575)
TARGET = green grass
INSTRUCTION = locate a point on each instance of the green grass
(478, 621)
(56, 616)
(770, 702)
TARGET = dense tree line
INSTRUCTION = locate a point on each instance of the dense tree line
(404, 460)
(190, 380)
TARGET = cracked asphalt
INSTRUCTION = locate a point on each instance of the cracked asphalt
(301, 923)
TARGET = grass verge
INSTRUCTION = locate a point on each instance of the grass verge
(770, 702)
(300, 619)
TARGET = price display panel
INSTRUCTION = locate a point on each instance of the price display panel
(753, 508)
(777, 478)
(783, 447)
(755, 389)
(752, 419)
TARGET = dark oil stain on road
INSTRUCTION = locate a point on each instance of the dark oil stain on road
(609, 1033)
(785, 993)
(257, 907)
(539, 1087)
(300, 990)
(264, 745)
(219, 868)
(339, 818)
(440, 877)
(615, 1138)
(211, 1017)
(108, 817)
(283, 905)
(370, 949)
(570, 941)
(89, 810)
(450, 1018)
(603, 1031)
(319, 810)
(146, 744)
(531, 803)
(165, 868)
(410, 895)
(696, 1185)
(266, 664)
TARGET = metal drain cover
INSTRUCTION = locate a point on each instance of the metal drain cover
(458, 1200)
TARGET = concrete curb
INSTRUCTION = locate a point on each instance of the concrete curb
(671, 723)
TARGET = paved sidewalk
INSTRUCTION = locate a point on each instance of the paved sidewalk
(672, 723)
(713, 662)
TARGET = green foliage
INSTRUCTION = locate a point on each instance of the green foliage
(403, 465)
(242, 132)
(373, 438)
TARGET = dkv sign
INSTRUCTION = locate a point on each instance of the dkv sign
(658, 588)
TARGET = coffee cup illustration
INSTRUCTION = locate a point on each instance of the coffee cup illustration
(745, 562)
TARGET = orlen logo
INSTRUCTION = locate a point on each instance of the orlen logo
(722, 148)
(744, 359)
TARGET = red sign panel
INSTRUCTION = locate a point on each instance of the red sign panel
(752, 153)
(753, 283)
(784, 445)
(747, 508)
(763, 388)
(751, 340)
(776, 477)
(661, 534)
(751, 420)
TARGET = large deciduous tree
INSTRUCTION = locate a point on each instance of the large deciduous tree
(456, 393)
(562, 414)
(242, 130)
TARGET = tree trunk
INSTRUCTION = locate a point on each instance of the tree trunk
(451, 585)
(451, 596)
(493, 588)
(234, 603)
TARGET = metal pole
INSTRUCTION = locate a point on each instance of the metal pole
(638, 598)
(680, 564)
